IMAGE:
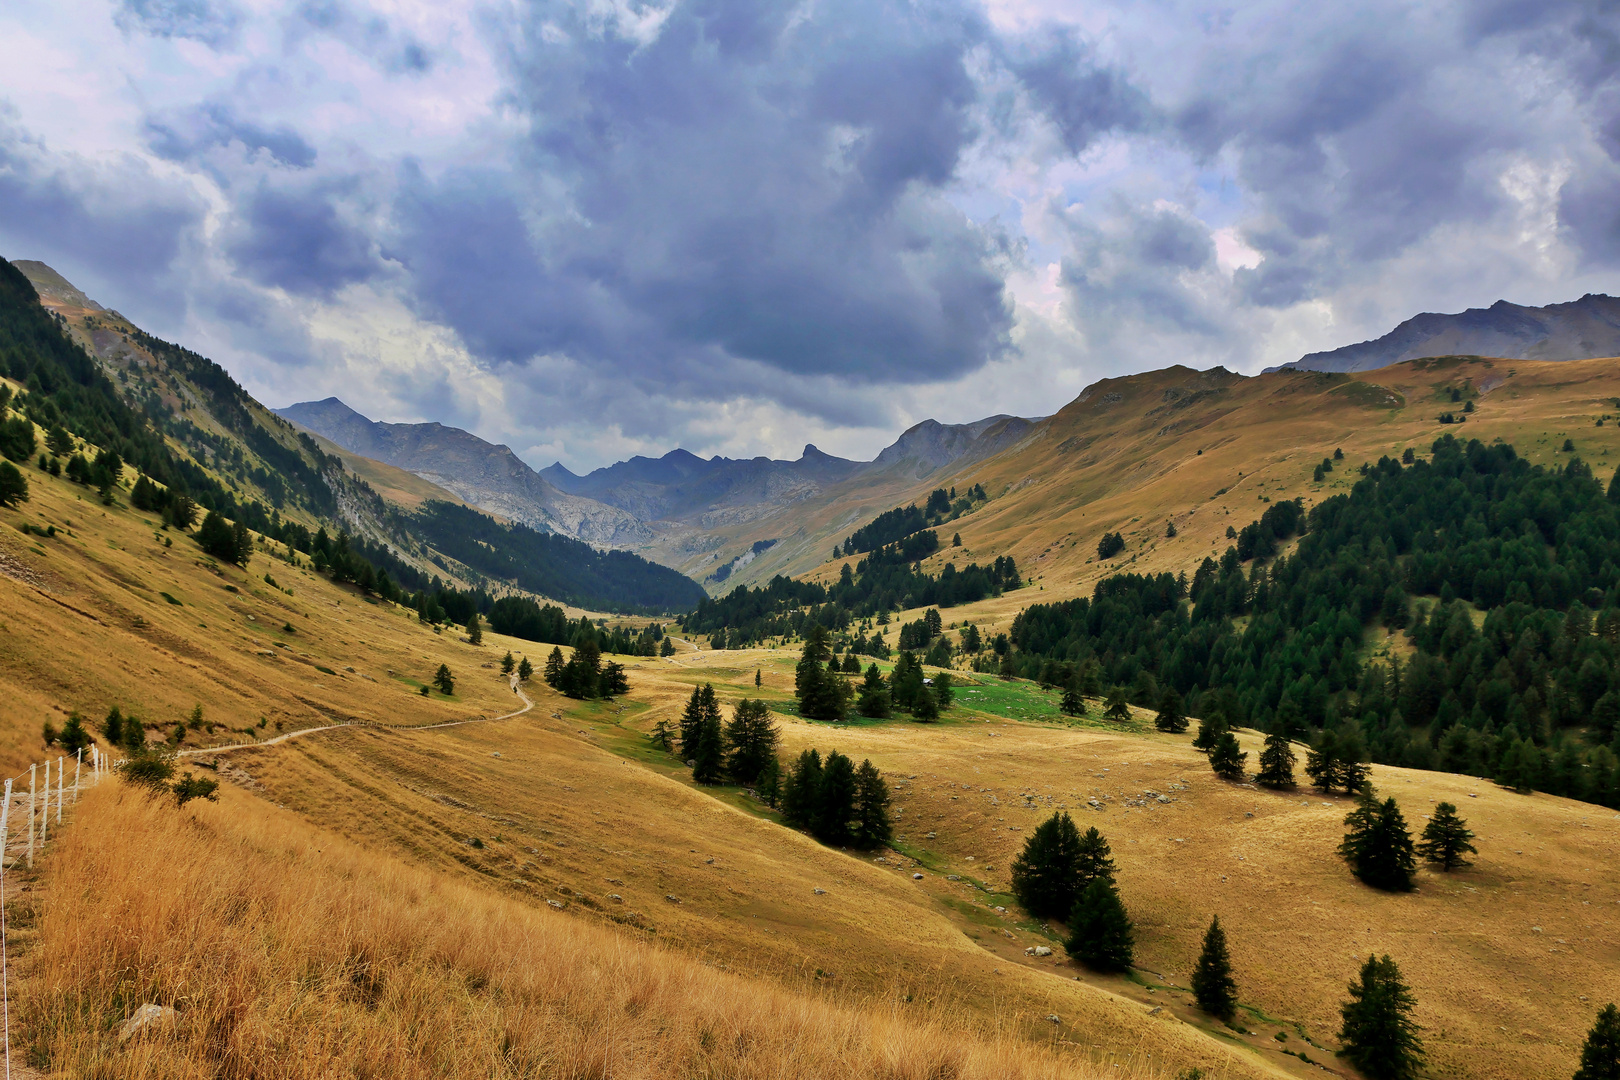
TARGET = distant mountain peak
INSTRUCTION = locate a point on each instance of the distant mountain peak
(1577, 330)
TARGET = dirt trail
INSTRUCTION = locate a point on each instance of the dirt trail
(516, 689)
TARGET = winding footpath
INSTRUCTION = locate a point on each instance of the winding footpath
(516, 689)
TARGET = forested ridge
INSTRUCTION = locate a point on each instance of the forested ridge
(889, 579)
(1503, 578)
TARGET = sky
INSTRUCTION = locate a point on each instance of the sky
(600, 228)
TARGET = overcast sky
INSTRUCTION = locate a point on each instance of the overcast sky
(599, 228)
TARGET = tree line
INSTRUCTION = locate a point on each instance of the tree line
(892, 526)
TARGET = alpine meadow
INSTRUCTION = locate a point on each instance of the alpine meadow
(716, 539)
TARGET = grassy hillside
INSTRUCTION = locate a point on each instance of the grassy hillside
(350, 846)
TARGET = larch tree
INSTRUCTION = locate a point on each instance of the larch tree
(1119, 706)
(1212, 982)
(1172, 718)
(1445, 838)
(1378, 1033)
(1276, 762)
(872, 825)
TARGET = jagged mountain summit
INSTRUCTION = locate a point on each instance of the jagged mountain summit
(1579, 330)
(488, 476)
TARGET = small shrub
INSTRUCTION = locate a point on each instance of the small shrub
(190, 787)
(152, 771)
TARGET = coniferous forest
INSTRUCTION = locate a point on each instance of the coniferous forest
(1502, 576)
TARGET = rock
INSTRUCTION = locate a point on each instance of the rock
(1042, 950)
(916, 877)
(1156, 1010)
(953, 877)
(1535, 929)
(148, 1015)
(1248, 813)
(1166, 798)
(672, 899)
(999, 908)
(930, 836)
(615, 897)
(819, 892)
(555, 903)
(495, 753)
(1053, 1018)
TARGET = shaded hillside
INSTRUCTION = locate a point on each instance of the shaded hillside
(1577, 330)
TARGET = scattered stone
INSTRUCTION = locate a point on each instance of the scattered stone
(672, 899)
(1052, 1018)
(556, 904)
(1535, 929)
(1001, 909)
(1156, 1010)
(819, 892)
(1248, 813)
(1166, 798)
(708, 862)
(495, 753)
(1042, 950)
(916, 877)
(929, 836)
(148, 1015)
(615, 897)
(953, 877)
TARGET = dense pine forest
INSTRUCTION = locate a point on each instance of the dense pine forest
(1495, 582)
(888, 579)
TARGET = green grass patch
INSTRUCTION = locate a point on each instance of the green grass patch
(171, 599)
(323, 667)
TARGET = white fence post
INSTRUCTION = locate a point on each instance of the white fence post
(45, 818)
(5, 835)
(61, 769)
(78, 759)
(31, 769)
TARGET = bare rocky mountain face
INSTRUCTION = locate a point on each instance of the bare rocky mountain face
(688, 512)
(488, 476)
(1579, 330)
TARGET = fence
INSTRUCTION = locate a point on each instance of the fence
(39, 820)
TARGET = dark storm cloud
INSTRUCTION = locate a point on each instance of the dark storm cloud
(1084, 98)
(114, 221)
(213, 22)
(300, 239)
(186, 134)
(1134, 268)
(743, 184)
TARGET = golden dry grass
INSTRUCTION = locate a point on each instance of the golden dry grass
(290, 953)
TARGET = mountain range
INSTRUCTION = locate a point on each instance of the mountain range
(1578, 330)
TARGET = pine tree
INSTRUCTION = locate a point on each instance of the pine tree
(944, 690)
(1007, 671)
(507, 663)
(1377, 845)
(800, 789)
(1276, 762)
(13, 485)
(663, 736)
(1600, 1056)
(1072, 704)
(443, 681)
(113, 726)
(1212, 982)
(708, 759)
(613, 680)
(821, 697)
(700, 708)
(874, 696)
(525, 670)
(73, 736)
(1379, 1036)
(1445, 838)
(1100, 931)
(554, 668)
(1119, 707)
(1045, 874)
(835, 805)
(1227, 758)
(925, 706)
(475, 630)
(757, 678)
(1209, 732)
(872, 827)
(769, 783)
(752, 738)
(1171, 718)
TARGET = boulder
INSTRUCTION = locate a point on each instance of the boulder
(147, 1016)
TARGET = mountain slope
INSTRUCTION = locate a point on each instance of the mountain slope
(488, 476)
(1577, 330)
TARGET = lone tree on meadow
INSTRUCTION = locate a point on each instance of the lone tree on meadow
(1212, 982)
(1379, 1036)
(1227, 758)
(1119, 707)
(525, 670)
(1600, 1056)
(13, 485)
(873, 700)
(1378, 847)
(822, 695)
(507, 663)
(1100, 931)
(475, 630)
(443, 681)
(1276, 762)
(1072, 704)
(1172, 717)
(872, 826)
(1445, 838)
